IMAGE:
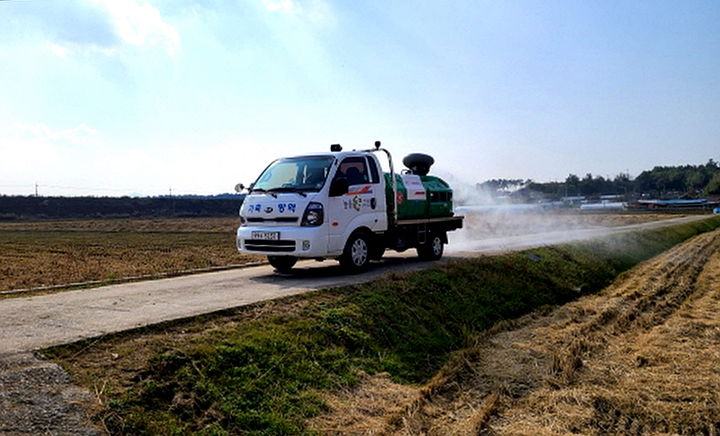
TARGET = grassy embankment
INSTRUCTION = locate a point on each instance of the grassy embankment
(262, 370)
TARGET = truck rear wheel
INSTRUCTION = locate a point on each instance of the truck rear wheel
(356, 256)
(282, 264)
(433, 249)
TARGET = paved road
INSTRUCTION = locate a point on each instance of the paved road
(33, 323)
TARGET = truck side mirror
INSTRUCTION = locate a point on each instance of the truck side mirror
(239, 188)
(339, 187)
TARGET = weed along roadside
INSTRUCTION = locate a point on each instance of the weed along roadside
(263, 369)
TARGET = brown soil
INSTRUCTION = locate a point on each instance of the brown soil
(640, 358)
(164, 225)
(64, 252)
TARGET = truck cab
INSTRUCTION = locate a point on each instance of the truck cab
(323, 205)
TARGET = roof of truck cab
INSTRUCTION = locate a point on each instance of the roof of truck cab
(337, 154)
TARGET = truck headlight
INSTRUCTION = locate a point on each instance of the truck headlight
(314, 215)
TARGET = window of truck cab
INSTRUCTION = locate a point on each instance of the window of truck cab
(354, 169)
(303, 173)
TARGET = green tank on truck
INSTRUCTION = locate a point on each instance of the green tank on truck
(436, 202)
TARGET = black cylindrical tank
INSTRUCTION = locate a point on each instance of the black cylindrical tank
(419, 163)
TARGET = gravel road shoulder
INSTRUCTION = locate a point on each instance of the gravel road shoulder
(38, 398)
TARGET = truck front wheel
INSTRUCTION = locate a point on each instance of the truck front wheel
(433, 249)
(282, 264)
(356, 255)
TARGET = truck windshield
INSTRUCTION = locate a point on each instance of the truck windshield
(295, 174)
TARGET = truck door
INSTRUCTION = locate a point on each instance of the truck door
(379, 203)
(362, 206)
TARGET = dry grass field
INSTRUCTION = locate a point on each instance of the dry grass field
(640, 358)
(50, 253)
(38, 254)
(157, 225)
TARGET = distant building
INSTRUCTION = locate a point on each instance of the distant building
(574, 200)
(605, 205)
(674, 205)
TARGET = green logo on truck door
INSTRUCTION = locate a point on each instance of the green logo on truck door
(358, 203)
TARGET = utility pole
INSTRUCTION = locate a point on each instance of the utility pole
(36, 189)
(172, 202)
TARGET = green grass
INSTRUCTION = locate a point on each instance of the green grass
(266, 376)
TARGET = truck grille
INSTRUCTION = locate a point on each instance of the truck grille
(274, 246)
(282, 219)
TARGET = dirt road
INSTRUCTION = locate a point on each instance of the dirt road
(36, 322)
(642, 357)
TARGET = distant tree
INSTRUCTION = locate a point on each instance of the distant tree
(696, 181)
(685, 180)
(622, 184)
(571, 184)
(713, 187)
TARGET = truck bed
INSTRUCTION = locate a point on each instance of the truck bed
(448, 219)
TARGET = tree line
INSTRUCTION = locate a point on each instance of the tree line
(30, 207)
(688, 181)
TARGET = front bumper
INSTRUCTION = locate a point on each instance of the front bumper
(294, 241)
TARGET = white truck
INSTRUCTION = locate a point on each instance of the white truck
(340, 205)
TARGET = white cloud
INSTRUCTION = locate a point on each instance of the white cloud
(80, 134)
(287, 6)
(95, 26)
(138, 23)
(59, 50)
(36, 152)
(80, 160)
(317, 12)
(70, 161)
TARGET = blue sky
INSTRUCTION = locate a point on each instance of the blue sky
(108, 97)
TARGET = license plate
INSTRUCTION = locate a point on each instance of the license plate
(268, 236)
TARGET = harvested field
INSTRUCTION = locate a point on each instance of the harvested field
(157, 225)
(639, 358)
(52, 253)
(64, 252)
